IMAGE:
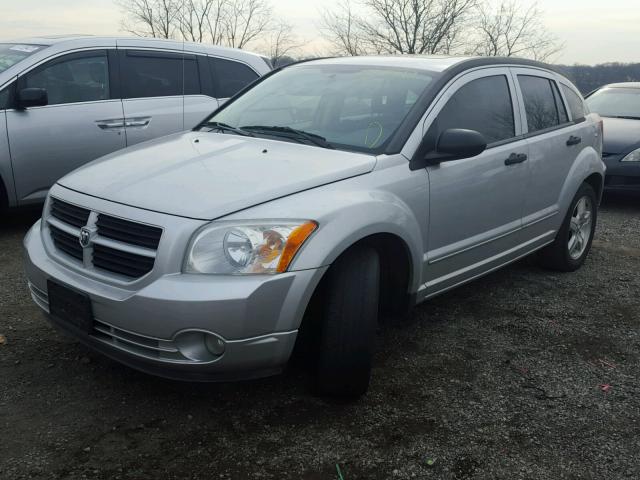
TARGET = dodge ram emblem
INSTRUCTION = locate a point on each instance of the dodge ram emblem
(85, 237)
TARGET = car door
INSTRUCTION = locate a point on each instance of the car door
(554, 143)
(475, 204)
(152, 92)
(199, 90)
(82, 121)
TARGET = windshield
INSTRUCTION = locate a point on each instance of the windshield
(616, 102)
(337, 106)
(12, 53)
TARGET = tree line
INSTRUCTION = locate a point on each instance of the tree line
(353, 27)
(361, 27)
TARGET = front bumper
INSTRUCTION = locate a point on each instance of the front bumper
(622, 176)
(158, 327)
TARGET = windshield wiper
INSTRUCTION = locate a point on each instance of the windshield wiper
(290, 133)
(223, 127)
(626, 117)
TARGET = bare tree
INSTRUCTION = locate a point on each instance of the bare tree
(151, 18)
(245, 20)
(508, 30)
(281, 43)
(341, 27)
(397, 26)
(233, 23)
(195, 18)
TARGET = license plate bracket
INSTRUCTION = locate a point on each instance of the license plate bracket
(70, 306)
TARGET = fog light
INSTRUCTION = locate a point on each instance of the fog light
(214, 344)
(199, 346)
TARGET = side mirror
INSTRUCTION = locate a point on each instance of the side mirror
(32, 97)
(452, 144)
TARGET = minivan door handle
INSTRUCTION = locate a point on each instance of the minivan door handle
(516, 158)
(138, 122)
(573, 141)
(111, 124)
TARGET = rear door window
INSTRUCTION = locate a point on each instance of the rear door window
(576, 104)
(158, 74)
(483, 105)
(72, 78)
(230, 76)
(540, 103)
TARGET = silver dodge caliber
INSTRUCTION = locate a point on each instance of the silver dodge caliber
(327, 196)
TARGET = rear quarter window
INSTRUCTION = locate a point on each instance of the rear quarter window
(230, 76)
(576, 104)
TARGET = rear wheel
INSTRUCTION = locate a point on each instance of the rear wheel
(348, 324)
(573, 242)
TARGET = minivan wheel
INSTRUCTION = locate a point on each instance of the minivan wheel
(348, 324)
(573, 242)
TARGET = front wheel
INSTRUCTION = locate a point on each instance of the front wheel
(573, 242)
(348, 324)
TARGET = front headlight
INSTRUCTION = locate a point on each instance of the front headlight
(633, 156)
(247, 248)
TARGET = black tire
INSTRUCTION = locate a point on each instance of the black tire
(557, 255)
(348, 325)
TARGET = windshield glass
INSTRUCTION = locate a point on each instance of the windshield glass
(12, 53)
(346, 107)
(616, 102)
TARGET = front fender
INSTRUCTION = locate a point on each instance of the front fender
(388, 201)
(366, 214)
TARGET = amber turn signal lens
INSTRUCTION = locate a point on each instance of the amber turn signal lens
(294, 242)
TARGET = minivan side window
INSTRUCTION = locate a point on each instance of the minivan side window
(541, 103)
(71, 79)
(483, 105)
(230, 77)
(576, 105)
(158, 74)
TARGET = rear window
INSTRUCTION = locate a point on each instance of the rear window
(12, 53)
(230, 76)
(540, 103)
(157, 74)
(616, 102)
(576, 105)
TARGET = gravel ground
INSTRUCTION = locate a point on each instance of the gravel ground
(523, 374)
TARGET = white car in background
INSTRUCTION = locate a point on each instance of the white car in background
(65, 101)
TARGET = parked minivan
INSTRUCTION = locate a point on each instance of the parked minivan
(65, 101)
(327, 195)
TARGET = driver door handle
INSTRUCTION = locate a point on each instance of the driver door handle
(111, 124)
(515, 158)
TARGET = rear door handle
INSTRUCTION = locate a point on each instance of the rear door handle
(110, 124)
(516, 158)
(573, 141)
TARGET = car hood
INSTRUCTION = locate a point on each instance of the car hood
(207, 175)
(620, 134)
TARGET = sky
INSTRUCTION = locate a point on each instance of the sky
(592, 31)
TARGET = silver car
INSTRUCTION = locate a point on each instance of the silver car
(328, 195)
(69, 100)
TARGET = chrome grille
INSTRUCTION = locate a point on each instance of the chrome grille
(66, 242)
(129, 232)
(118, 261)
(137, 344)
(118, 246)
(69, 214)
